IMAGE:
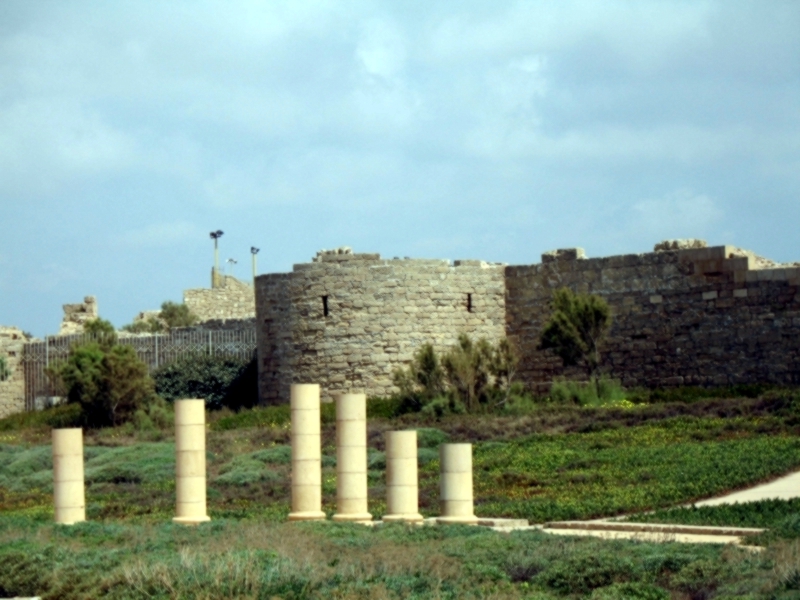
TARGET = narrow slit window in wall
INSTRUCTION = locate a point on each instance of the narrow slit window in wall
(469, 302)
(325, 306)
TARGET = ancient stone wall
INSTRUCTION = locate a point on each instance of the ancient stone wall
(698, 316)
(231, 299)
(12, 383)
(348, 320)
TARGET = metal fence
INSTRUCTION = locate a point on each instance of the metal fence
(154, 350)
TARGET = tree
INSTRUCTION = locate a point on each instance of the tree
(107, 379)
(172, 315)
(577, 328)
(177, 315)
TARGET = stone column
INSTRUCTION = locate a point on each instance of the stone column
(351, 459)
(306, 453)
(68, 485)
(402, 492)
(190, 462)
(455, 484)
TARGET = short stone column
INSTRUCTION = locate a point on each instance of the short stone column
(190, 462)
(68, 485)
(455, 484)
(402, 488)
(351, 459)
(306, 453)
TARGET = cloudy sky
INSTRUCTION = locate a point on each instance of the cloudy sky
(470, 129)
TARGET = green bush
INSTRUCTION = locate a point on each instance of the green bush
(106, 379)
(602, 391)
(630, 591)
(220, 380)
(64, 415)
(469, 377)
(430, 437)
(587, 573)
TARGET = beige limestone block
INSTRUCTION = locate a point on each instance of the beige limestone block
(190, 462)
(351, 459)
(455, 484)
(306, 453)
(402, 483)
(69, 495)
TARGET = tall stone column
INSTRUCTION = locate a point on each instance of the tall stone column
(402, 487)
(306, 453)
(455, 484)
(68, 486)
(190, 462)
(351, 459)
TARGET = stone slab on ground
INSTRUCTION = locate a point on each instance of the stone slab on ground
(659, 537)
(668, 528)
(783, 488)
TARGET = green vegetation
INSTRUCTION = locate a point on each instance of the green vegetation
(5, 372)
(554, 461)
(599, 391)
(259, 559)
(106, 379)
(172, 315)
(221, 380)
(577, 328)
(470, 377)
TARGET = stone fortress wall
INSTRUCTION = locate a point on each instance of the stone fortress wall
(683, 315)
(349, 320)
(231, 298)
(12, 388)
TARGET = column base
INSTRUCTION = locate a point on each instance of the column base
(404, 518)
(459, 520)
(353, 518)
(191, 520)
(316, 515)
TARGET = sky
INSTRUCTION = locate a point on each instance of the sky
(462, 130)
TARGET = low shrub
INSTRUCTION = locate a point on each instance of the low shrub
(430, 437)
(602, 391)
(63, 415)
(585, 573)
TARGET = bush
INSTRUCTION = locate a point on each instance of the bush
(587, 573)
(469, 377)
(597, 392)
(220, 380)
(106, 379)
(64, 415)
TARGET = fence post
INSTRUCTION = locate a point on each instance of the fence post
(155, 343)
(210, 347)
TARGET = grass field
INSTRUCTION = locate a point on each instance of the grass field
(556, 462)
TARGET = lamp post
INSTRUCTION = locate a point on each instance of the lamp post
(215, 235)
(253, 252)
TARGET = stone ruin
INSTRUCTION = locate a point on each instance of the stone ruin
(77, 315)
